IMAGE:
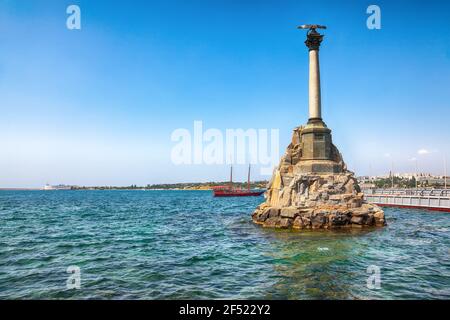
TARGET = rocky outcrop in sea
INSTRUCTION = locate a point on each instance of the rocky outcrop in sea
(304, 200)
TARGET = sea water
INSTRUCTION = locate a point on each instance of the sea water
(190, 245)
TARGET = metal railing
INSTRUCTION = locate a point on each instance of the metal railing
(411, 192)
(438, 199)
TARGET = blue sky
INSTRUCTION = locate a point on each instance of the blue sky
(98, 105)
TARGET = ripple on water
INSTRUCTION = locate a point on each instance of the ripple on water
(188, 245)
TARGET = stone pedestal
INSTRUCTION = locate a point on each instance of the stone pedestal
(315, 194)
(318, 152)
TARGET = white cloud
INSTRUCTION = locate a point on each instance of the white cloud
(423, 151)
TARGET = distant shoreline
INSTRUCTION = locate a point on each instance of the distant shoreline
(109, 189)
(194, 186)
(100, 189)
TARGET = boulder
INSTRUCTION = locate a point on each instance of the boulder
(370, 220)
(302, 222)
(273, 212)
(285, 223)
(298, 223)
(379, 218)
(262, 214)
(338, 220)
(357, 220)
(272, 222)
(318, 221)
(289, 212)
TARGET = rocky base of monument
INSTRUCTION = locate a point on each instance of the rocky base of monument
(319, 202)
(300, 200)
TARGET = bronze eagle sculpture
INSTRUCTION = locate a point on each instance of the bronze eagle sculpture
(311, 26)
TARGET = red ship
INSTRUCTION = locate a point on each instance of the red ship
(229, 191)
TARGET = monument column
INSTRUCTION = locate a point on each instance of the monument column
(313, 43)
(318, 154)
(312, 188)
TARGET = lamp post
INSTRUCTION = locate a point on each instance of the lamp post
(445, 172)
(416, 174)
(392, 174)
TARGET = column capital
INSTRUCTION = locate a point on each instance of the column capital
(313, 39)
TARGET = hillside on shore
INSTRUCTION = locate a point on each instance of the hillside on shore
(179, 186)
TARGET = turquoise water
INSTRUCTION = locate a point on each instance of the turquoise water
(189, 245)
